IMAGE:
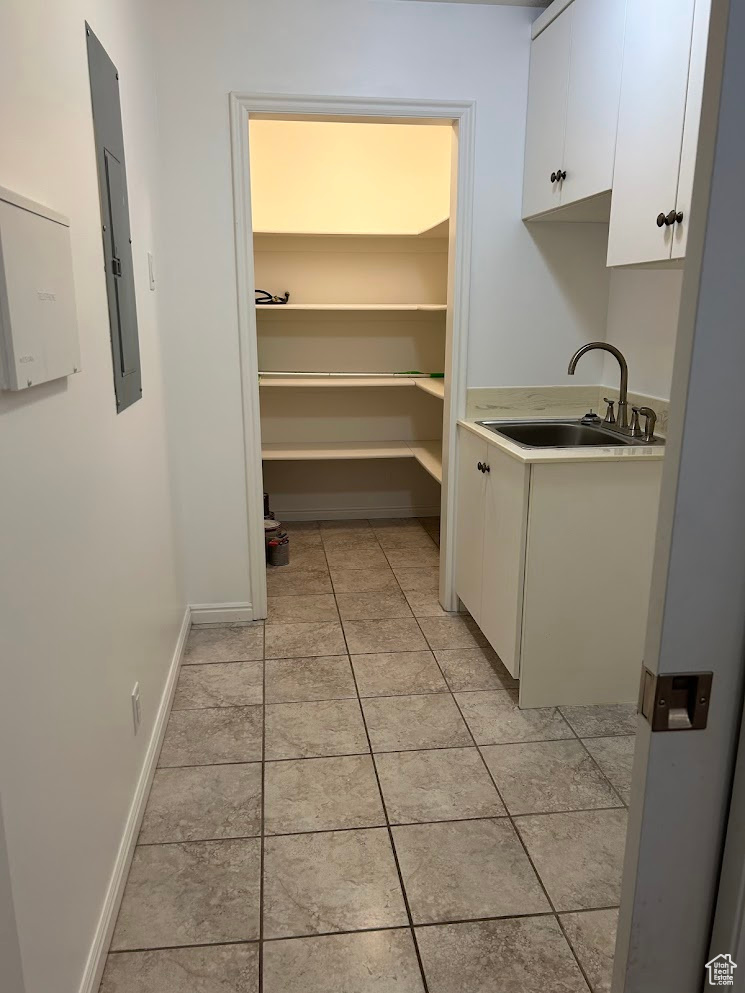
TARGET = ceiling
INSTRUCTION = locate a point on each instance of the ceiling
(513, 3)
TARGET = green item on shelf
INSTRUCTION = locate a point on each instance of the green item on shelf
(417, 372)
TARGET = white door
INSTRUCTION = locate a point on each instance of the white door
(469, 536)
(505, 526)
(592, 103)
(682, 783)
(547, 103)
(650, 129)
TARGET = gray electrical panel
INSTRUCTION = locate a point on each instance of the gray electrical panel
(117, 243)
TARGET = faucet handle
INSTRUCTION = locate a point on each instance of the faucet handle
(650, 422)
(610, 417)
(635, 431)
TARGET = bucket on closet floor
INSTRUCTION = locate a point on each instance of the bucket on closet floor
(277, 543)
(272, 531)
(279, 551)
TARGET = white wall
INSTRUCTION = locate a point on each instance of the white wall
(329, 177)
(643, 323)
(90, 598)
(530, 292)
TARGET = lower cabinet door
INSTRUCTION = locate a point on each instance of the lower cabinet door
(505, 530)
(469, 548)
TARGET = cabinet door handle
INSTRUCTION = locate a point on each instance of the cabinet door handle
(672, 218)
(553, 177)
(480, 466)
(487, 467)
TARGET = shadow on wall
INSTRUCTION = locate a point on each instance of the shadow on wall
(13, 400)
(10, 954)
(574, 255)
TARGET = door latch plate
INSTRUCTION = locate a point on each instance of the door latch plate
(677, 701)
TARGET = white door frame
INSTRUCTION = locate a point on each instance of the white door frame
(682, 781)
(461, 115)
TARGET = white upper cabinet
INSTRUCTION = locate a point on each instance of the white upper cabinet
(575, 78)
(547, 110)
(661, 88)
(699, 42)
(594, 90)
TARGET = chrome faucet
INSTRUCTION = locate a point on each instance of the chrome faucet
(622, 420)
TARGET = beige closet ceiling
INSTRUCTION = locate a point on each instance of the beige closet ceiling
(510, 3)
(310, 177)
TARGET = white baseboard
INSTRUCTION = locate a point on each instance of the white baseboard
(221, 613)
(102, 939)
(354, 513)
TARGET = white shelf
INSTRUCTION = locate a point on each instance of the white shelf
(438, 230)
(425, 307)
(436, 387)
(326, 380)
(305, 450)
(427, 453)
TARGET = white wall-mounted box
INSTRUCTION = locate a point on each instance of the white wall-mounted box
(38, 321)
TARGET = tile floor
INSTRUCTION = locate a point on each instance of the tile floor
(348, 800)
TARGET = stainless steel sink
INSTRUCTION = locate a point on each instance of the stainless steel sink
(562, 434)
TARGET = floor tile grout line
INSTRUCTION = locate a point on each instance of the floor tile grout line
(518, 835)
(379, 824)
(391, 841)
(621, 801)
(416, 927)
(586, 978)
(262, 824)
(350, 696)
(509, 917)
(169, 948)
(600, 769)
(214, 706)
(534, 867)
(592, 757)
(380, 751)
(371, 930)
(374, 826)
(394, 853)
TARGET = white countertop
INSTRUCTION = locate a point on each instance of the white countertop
(621, 453)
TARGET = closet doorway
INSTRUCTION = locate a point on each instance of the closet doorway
(352, 387)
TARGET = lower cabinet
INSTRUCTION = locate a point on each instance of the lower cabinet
(554, 563)
(492, 522)
(471, 488)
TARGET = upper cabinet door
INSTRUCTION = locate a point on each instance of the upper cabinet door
(650, 129)
(696, 69)
(592, 103)
(547, 107)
